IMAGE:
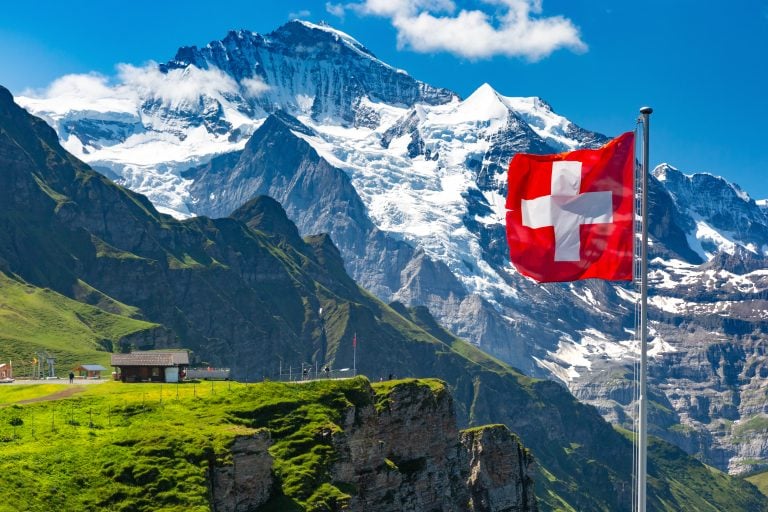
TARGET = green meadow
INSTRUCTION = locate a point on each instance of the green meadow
(147, 447)
(36, 319)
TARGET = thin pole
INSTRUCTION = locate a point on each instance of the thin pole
(354, 355)
(642, 435)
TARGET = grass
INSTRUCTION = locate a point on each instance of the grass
(759, 480)
(742, 431)
(148, 447)
(677, 478)
(384, 389)
(10, 395)
(35, 319)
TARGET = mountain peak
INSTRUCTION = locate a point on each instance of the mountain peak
(6, 98)
(662, 171)
(324, 30)
(306, 69)
(485, 103)
(265, 214)
(667, 173)
(485, 91)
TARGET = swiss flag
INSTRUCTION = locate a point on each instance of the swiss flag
(570, 216)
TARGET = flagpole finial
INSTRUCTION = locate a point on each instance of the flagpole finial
(646, 110)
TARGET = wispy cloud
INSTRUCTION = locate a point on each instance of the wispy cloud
(514, 28)
(92, 85)
(298, 15)
(177, 85)
(335, 9)
(254, 87)
(135, 84)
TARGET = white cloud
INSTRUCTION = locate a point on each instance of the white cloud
(177, 85)
(403, 7)
(92, 85)
(82, 92)
(304, 13)
(254, 86)
(515, 30)
(133, 85)
(335, 9)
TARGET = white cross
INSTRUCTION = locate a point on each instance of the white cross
(566, 209)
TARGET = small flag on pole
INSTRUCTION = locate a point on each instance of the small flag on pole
(570, 216)
(354, 354)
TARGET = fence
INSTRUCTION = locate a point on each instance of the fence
(208, 373)
(307, 373)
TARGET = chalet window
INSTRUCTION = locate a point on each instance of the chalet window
(155, 371)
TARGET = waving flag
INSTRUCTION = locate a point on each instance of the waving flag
(570, 215)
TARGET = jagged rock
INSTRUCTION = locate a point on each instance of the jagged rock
(410, 455)
(500, 470)
(248, 481)
(301, 59)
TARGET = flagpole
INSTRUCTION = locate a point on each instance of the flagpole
(642, 435)
(354, 355)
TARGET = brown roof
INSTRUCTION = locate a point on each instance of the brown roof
(91, 368)
(154, 358)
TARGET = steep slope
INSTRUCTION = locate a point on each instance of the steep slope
(247, 298)
(317, 196)
(35, 320)
(162, 119)
(310, 69)
(708, 303)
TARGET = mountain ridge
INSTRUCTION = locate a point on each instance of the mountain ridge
(429, 180)
(176, 269)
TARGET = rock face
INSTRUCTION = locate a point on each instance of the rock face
(248, 482)
(330, 70)
(404, 453)
(707, 315)
(319, 198)
(409, 455)
(496, 480)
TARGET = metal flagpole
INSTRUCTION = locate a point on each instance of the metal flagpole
(642, 435)
(354, 355)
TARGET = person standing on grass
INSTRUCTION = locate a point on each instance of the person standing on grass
(71, 377)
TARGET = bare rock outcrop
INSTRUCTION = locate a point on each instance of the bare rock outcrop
(401, 451)
(407, 453)
(500, 470)
(247, 482)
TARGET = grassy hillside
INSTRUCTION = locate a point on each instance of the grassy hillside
(34, 319)
(147, 448)
(760, 480)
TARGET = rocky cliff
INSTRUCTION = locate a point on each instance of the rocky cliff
(406, 453)
(400, 450)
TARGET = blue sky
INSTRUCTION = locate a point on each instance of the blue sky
(701, 65)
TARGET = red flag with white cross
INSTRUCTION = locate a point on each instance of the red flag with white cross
(570, 216)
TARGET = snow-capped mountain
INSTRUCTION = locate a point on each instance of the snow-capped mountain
(161, 119)
(410, 181)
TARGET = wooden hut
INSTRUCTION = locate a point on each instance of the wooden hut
(89, 371)
(151, 366)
